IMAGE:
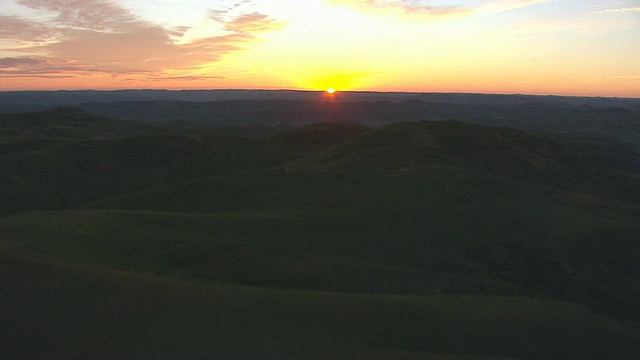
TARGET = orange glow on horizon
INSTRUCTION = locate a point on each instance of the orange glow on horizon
(384, 46)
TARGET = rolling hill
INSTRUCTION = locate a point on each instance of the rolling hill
(416, 240)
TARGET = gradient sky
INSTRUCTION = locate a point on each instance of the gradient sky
(584, 47)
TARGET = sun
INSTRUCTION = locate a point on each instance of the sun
(331, 90)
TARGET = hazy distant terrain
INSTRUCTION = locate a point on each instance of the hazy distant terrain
(155, 224)
(611, 117)
(32, 99)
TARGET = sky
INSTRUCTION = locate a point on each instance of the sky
(559, 47)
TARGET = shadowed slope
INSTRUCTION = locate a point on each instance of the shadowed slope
(505, 152)
(67, 123)
(55, 310)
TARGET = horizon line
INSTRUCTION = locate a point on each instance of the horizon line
(323, 91)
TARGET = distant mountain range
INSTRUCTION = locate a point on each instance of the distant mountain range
(610, 117)
(14, 101)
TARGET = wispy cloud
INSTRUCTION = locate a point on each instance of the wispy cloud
(250, 24)
(96, 15)
(15, 28)
(416, 7)
(100, 36)
(18, 62)
(609, 78)
(32, 66)
(523, 62)
(498, 6)
(434, 8)
(620, 10)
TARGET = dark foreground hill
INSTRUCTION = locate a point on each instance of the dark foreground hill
(53, 310)
(415, 240)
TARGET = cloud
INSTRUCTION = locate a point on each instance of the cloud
(499, 6)
(417, 7)
(17, 62)
(626, 77)
(621, 10)
(523, 62)
(41, 67)
(432, 8)
(619, 77)
(184, 78)
(16, 28)
(97, 15)
(100, 36)
(250, 24)
(32, 75)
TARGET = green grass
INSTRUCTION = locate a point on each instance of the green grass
(55, 310)
(438, 202)
(394, 234)
(68, 123)
(438, 230)
(54, 174)
(427, 240)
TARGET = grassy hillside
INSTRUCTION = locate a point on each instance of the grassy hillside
(53, 173)
(603, 150)
(391, 234)
(570, 166)
(67, 123)
(429, 240)
(55, 310)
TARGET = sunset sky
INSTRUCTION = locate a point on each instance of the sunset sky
(564, 47)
